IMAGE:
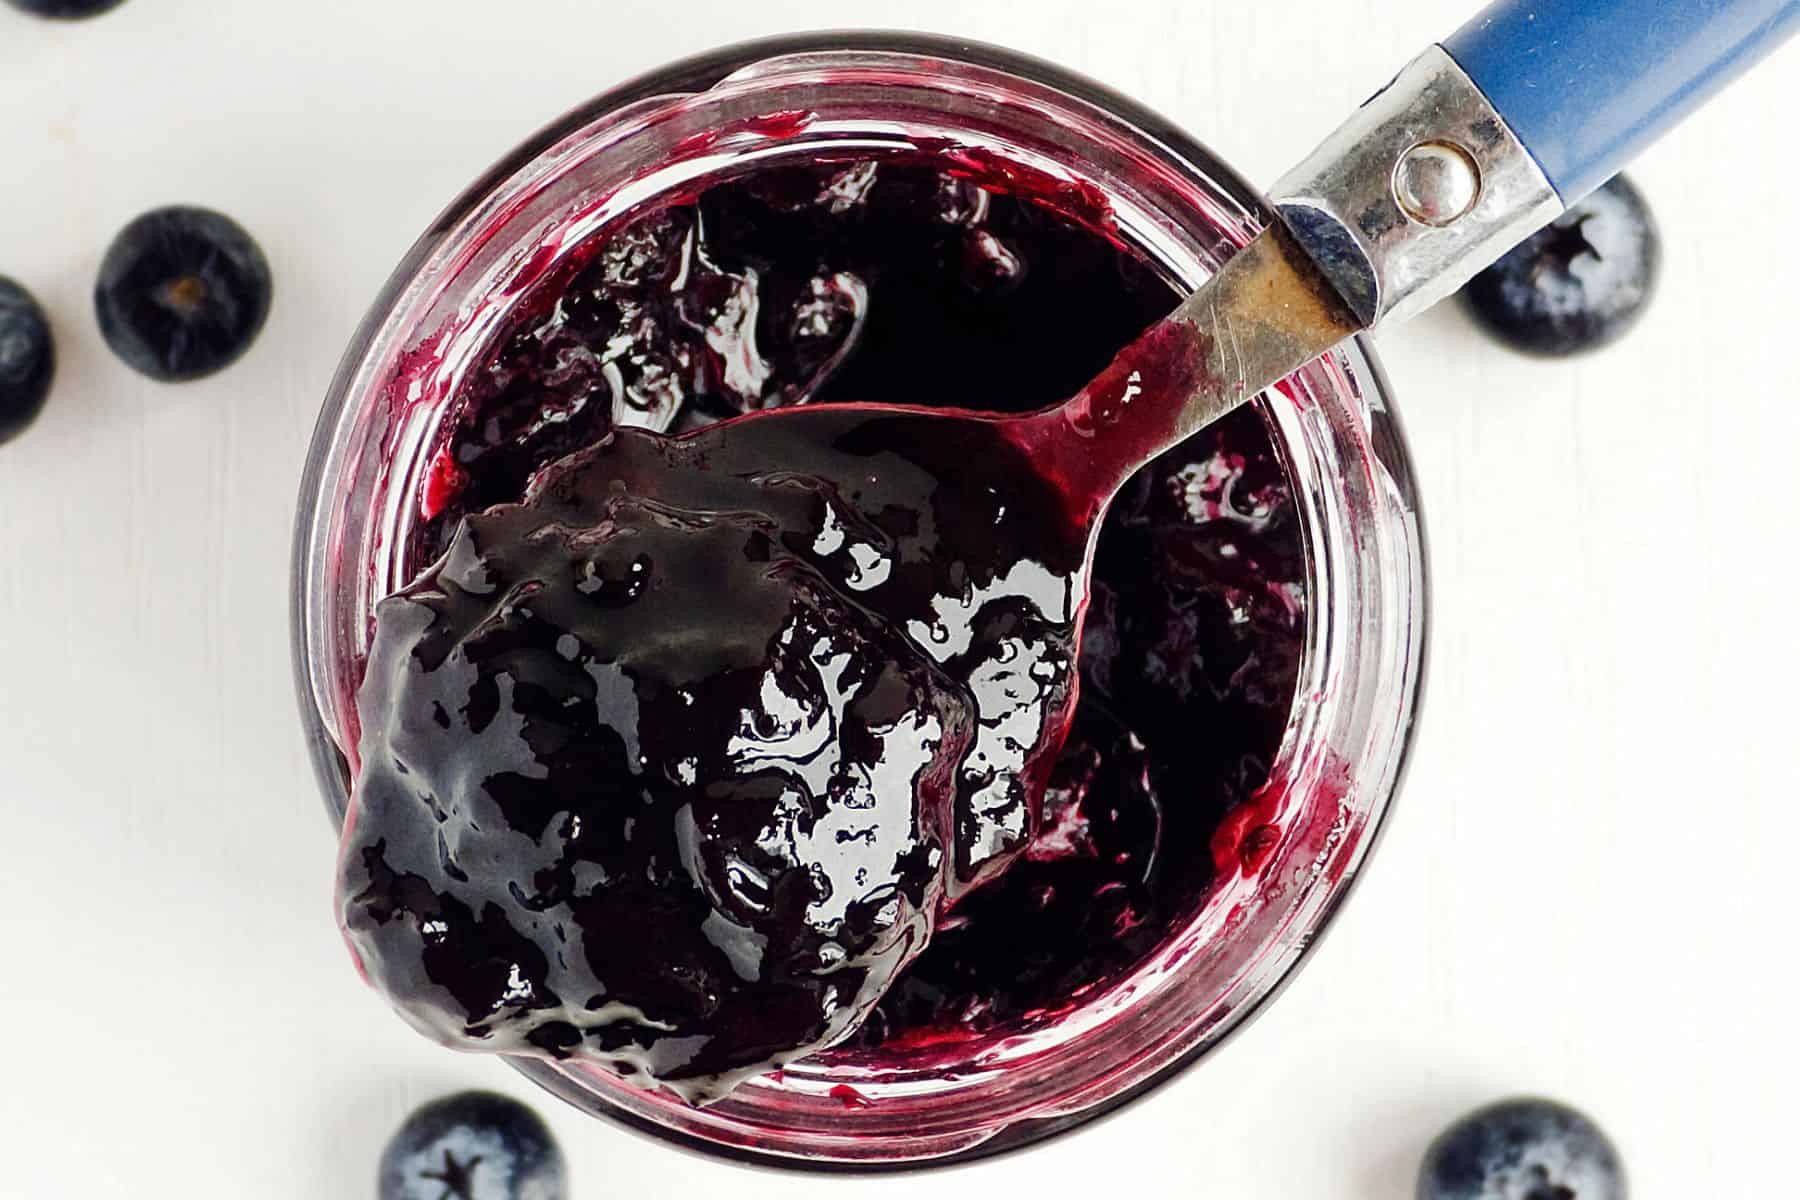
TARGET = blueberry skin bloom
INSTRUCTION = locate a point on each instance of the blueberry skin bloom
(1522, 1150)
(1580, 283)
(182, 293)
(472, 1146)
(27, 359)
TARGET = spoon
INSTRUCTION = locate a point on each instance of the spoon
(864, 621)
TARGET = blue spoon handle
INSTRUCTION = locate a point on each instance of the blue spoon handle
(1587, 84)
(1484, 139)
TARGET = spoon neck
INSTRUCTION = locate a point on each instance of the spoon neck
(1138, 407)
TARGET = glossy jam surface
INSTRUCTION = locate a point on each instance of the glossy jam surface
(697, 858)
(687, 806)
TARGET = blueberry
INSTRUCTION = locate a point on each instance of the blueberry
(472, 1146)
(1577, 284)
(65, 10)
(27, 359)
(182, 293)
(1522, 1150)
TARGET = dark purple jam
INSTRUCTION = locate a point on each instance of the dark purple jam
(687, 804)
(675, 756)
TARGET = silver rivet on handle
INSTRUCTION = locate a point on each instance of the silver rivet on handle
(1436, 183)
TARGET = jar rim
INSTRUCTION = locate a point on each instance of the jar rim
(1360, 375)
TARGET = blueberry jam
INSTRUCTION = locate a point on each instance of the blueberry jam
(679, 757)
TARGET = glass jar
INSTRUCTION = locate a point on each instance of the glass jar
(1178, 207)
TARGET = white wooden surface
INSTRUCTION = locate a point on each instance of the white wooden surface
(1585, 889)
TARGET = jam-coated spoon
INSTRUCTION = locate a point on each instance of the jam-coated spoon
(855, 628)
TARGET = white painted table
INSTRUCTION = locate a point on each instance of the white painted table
(1586, 886)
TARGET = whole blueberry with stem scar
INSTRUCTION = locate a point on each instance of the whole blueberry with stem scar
(1522, 1150)
(472, 1146)
(1578, 284)
(182, 293)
